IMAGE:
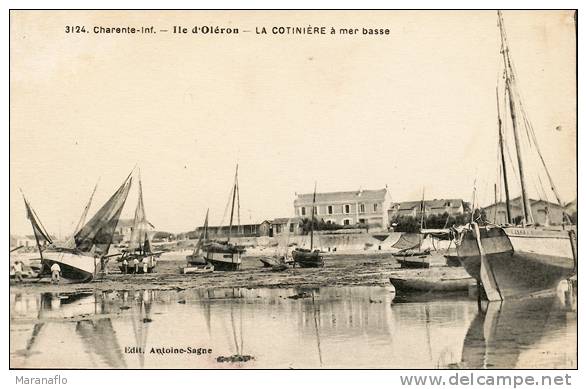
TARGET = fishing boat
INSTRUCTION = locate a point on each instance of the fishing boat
(90, 245)
(309, 257)
(139, 246)
(509, 260)
(197, 262)
(224, 255)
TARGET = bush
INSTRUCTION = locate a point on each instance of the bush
(412, 224)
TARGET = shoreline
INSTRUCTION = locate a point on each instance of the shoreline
(340, 270)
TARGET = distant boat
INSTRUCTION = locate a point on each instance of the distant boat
(91, 243)
(309, 257)
(225, 255)
(516, 261)
(197, 262)
(139, 246)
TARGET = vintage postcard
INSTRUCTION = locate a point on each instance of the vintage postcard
(272, 189)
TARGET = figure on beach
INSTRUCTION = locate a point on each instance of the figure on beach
(17, 267)
(55, 273)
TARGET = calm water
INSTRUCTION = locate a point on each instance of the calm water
(352, 327)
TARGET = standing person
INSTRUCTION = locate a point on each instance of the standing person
(145, 265)
(125, 266)
(136, 263)
(55, 273)
(17, 267)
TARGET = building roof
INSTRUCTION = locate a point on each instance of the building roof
(517, 203)
(351, 196)
(431, 204)
(285, 220)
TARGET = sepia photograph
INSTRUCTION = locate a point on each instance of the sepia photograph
(293, 189)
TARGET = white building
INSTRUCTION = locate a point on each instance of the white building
(354, 208)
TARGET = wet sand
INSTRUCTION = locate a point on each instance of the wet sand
(339, 270)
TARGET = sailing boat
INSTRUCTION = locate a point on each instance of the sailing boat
(92, 242)
(139, 246)
(311, 257)
(226, 255)
(415, 257)
(516, 261)
(196, 262)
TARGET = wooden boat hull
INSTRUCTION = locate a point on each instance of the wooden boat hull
(74, 267)
(224, 261)
(414, 262)
(199, 269)
(308, 258)
(522, 261)
(442, 285)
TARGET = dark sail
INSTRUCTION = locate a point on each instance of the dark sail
(96, 235)
(41, 234)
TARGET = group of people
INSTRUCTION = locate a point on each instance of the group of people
(18, 269)
(135, 265)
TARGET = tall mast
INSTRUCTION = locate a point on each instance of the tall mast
(234, 189)
(526, 208)
(312, 220)
(503, 165)
(422, 211)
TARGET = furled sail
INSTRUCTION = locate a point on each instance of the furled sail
(139, 239)
(96, 235)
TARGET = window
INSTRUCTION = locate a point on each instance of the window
(375, 206)
(347, 208)
(347, 222)
(291, 227)
(330, 209)
(362, 208)
(303, 210)
(362, 221)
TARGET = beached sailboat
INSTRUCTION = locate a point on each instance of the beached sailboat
(139, 246)
(197, 262)
(309, 257)
(226, 255)
(514, 261)
(92, 242)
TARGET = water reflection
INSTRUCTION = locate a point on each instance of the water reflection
(355, 327)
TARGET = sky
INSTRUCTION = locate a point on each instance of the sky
(414, 110)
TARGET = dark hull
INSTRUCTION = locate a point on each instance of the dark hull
(69, 272)
(224, 266)
(307, 258)
(518, 263)
(414, 263)
(418, 284)
(452, 261)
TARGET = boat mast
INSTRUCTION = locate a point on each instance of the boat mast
(312, 220)
(527, 210)
(422, 212)
(234, 189)
(503, 165)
